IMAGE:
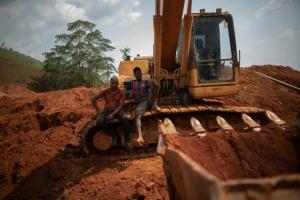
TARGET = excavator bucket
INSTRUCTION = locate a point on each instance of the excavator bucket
(191, 175)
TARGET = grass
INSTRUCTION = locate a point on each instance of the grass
(17, 68)
(21, 58)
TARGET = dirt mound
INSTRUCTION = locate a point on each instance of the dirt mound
(286, 74)
(39, 138)
(34, 127)
(258, 91)
(247, 155)
(40, 158)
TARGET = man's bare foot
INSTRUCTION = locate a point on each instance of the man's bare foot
(140, 141)
(155, 107)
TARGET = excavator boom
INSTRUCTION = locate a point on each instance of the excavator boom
(170, 27)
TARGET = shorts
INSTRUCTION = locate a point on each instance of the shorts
(141, 108)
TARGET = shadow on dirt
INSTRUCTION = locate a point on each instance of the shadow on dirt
(65, 170)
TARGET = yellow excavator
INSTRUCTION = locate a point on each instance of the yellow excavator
(194, 58)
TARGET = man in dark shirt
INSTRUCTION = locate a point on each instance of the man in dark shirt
(114, 101)
(145, 96)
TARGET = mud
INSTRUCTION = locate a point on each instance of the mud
(40, 156)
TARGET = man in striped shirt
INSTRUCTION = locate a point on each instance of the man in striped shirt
(145, 95)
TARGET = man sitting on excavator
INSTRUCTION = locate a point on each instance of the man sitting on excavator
(144, 93)
(114, 101)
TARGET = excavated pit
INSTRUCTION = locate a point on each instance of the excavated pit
(242, 155)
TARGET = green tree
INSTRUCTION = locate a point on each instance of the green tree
(77, 59)
(125, 53)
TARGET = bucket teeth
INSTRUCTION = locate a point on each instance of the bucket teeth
(251, 123)
(223, 124)
(161, 147)
(166, 127)
(197, 127)
(274, 118)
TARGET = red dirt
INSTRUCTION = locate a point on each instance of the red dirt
(285, 74)
(39, 134)
(264, 93)
(236, 155)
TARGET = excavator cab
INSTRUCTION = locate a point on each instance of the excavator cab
(210, 49)
(212, 64)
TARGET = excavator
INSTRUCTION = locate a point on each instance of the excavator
(194, 60)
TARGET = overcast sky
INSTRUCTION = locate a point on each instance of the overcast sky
(267, 31)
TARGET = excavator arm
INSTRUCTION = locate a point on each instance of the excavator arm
(172, 17)
(167, 22)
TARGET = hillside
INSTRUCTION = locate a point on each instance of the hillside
(17, 68)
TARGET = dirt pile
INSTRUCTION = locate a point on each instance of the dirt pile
(35, 127)
(247, 155)
(40, 156)
(286, 74)
(258, 91)
(39, 138)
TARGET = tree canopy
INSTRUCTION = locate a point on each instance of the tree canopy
(77, 59)
(125, 53)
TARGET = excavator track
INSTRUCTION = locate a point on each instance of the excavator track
(188, 120)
